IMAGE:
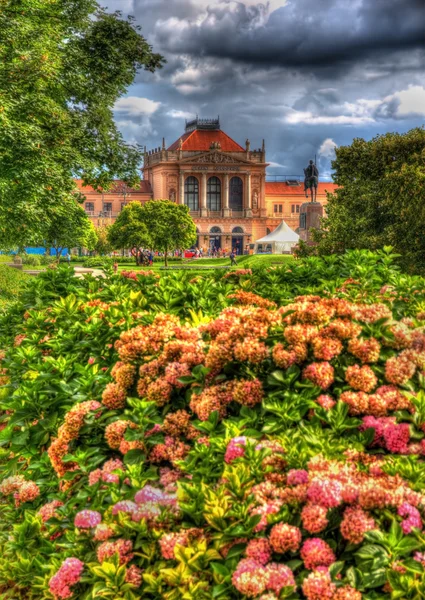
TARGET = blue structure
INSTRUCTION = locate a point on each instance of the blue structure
(40, 251)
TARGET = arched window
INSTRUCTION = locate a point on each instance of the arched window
(236, 194)
(191, 193)
(215, 238)
(237, 240)
(214, 194)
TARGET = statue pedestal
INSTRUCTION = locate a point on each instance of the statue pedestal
(310, 215)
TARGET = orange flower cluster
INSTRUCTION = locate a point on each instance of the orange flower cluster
(69, 431)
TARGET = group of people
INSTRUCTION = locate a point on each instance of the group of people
(216, 253)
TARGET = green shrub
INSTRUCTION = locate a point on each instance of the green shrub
(31, 259)
(12, 283)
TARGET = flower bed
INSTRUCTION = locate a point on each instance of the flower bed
(260, 449)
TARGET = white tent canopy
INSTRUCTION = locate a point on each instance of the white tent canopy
(279, 241)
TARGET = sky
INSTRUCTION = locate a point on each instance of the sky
(305, 75)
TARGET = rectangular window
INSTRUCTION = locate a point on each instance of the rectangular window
(107, 207)
(277, 208)
(89, 207)
(298, 208)
(292, 208)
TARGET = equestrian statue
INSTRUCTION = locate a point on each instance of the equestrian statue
(311, 180)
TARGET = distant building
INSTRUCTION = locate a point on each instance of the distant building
(223, 184)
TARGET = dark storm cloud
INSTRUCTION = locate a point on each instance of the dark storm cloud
(305, 76)
(301, 34)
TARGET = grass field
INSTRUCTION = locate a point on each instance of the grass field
(243, 262)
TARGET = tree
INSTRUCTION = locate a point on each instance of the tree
(103, 246)
(381, 198)
(68, 226)
(129, 230)
(170, 225)
(63, 65)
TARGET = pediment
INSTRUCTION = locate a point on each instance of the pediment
(214, 157)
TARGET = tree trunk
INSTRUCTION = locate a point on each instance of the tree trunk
(166, 257)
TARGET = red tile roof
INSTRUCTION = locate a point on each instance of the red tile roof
(200, 141)
(279, 188)
(144, 187)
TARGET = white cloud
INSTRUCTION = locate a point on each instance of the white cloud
(327, 149)
(135, 106)
(179, 114)
(411, 101)
(296, 117)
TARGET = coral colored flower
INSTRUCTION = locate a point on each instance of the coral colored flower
(347, 593)
(317, 553)
(48, 511)
(250, 578)
(259, 550)
(69, 574)
(326, 401)
(134, 576)
(284, 538)
(355, 523)
(114, 432)
(102, 533)
(361, 378)
(321, 374)
(248, 393)
(86, 519)
(123, 548)
(357, 401)
(314, 518)
(365, 350)
(318, 586)
(279, 576)
(398, 370)
(169, 541)
(114, 396)
(283, 358)
(326, 348)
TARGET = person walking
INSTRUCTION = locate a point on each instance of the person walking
(68, 258)
(233, 259)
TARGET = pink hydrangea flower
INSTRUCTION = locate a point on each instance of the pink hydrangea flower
(318, 586)
(284, 537)
(314, 517)
(325, 492)
(413, 520)
(317, 553)
(86, 519)
(125, 506)
(68, 574)
(297, 477)
(259, 550)
(279, 576)
(250, 578)
(235, 449)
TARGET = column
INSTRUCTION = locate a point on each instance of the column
(204, 209)
(181, 188)
(226, 211)
(248, 204)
